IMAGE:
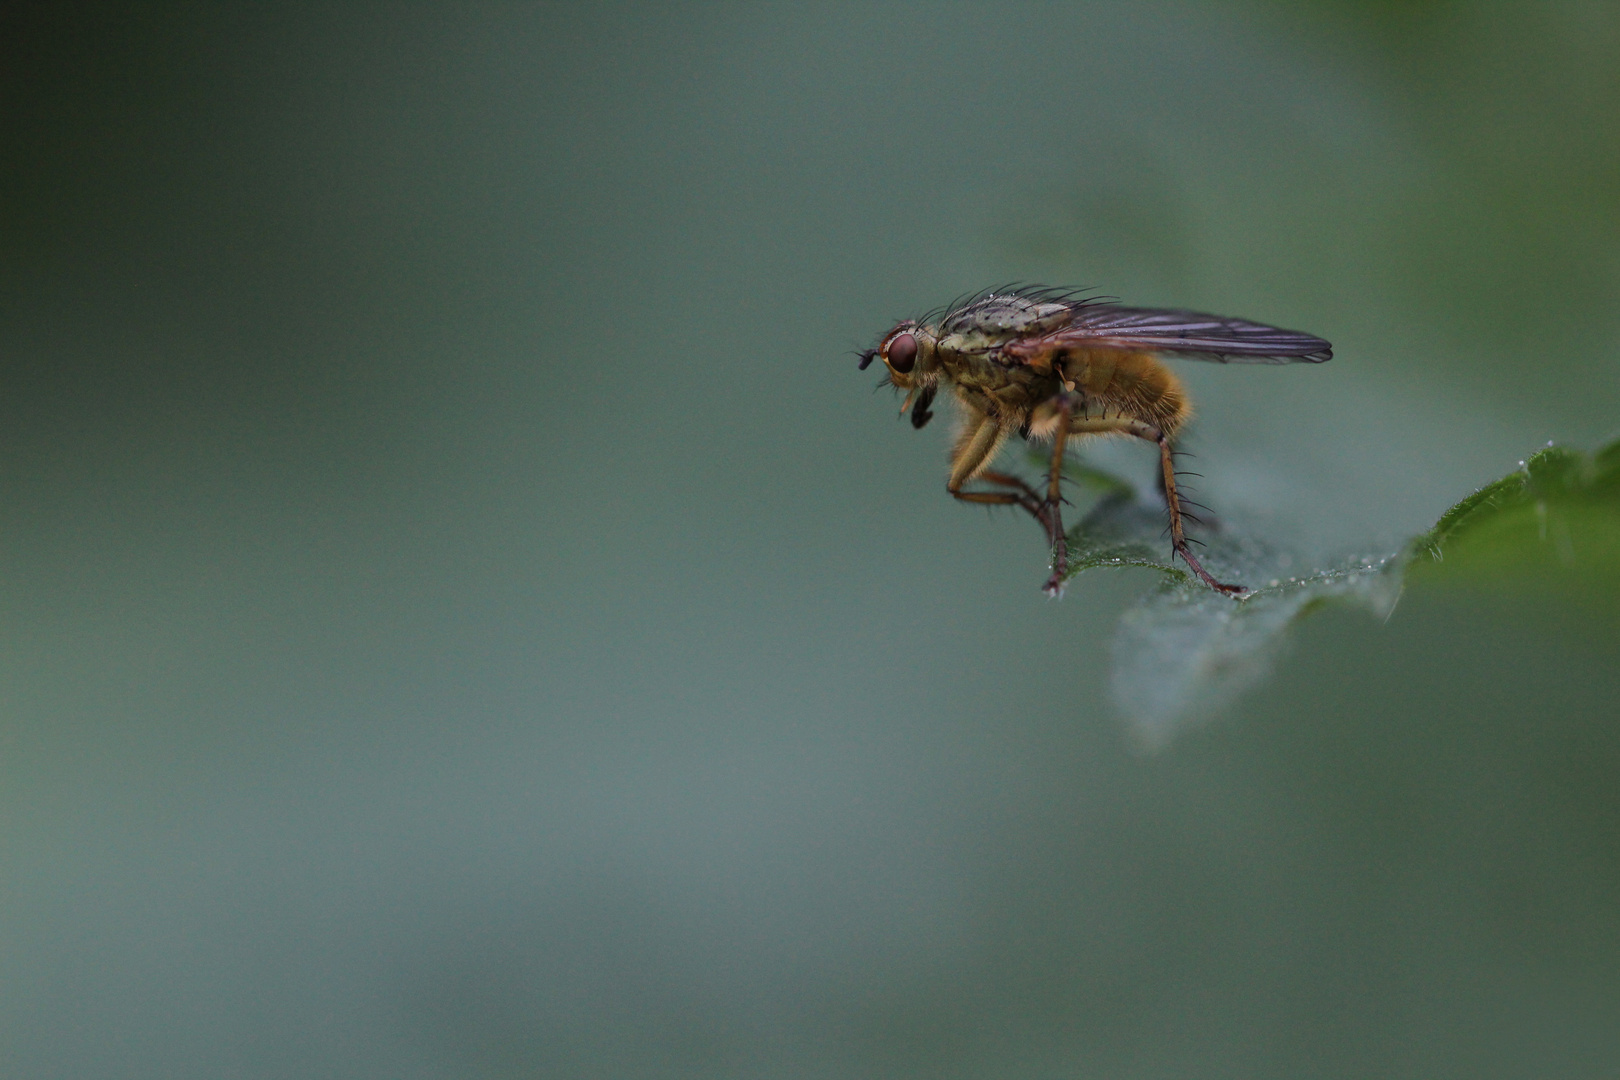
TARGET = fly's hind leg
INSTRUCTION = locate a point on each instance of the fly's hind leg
(1172, 502)
(1054, 504)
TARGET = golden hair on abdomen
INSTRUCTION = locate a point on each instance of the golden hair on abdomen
(1135, 384)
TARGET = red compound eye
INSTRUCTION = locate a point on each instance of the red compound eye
(902, 355)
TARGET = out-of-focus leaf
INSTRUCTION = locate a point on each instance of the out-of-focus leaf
(1185, 652)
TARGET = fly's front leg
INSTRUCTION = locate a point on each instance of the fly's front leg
(1031, 496)
(1031, 500)
(1021, 495)
(1172, 502)
(975, 448)
(1047, 510)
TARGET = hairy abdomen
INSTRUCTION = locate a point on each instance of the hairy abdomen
(1133, 384)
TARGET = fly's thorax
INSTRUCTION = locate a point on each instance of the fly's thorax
(983, 368)
(972, 338)
(970, 348)
(1002, 318)
(1007, 394)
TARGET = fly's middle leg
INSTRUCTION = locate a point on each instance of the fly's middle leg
(1054, 504)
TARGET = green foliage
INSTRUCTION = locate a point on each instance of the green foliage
(1554, 524)
(1184, 652)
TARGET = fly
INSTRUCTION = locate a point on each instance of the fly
(1045, 364)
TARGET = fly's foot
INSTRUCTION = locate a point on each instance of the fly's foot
(1204, 575)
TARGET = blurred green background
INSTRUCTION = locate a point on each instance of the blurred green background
(462, 613)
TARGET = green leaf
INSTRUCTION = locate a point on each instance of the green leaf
(1184, 652)
(1552, 525)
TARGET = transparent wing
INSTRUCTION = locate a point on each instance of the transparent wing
(1188, 333)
